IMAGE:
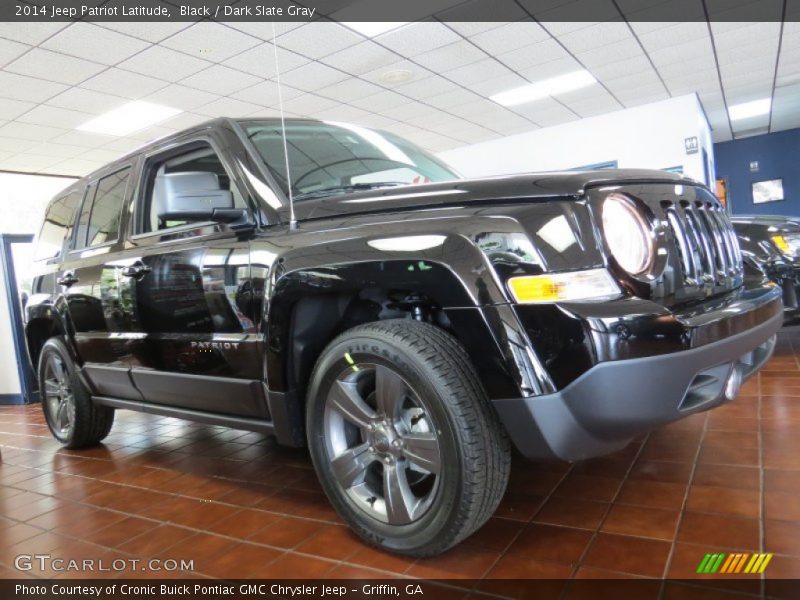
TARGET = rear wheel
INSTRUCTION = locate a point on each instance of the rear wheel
(73, 419)
(404, 441)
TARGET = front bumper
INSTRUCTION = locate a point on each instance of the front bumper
(614, 401)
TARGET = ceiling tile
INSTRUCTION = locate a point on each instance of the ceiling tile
(11, 109)
(11, 50)
(125, 84)
(184, 120)
(265, 30)
(87, 101)
(151, 31)
(451, 56)
(532, 55)
(15, 145)
(361, 58)
(19, 87)
(55, 117)
(163, 63)
(479, 71)
(57, 150)
(83, 139)
(76, 166)
(228, 107)
(341, 113)
(309, 103)
(52, 66)
(349, 90)
(550, 69)
(382, 101)
(510, 36)
(596, 36)
(315, 40)
(260, 61)
(182, 97)
(471, 28)
(30, 132)
(425, 88)
(220, 80)
(266, 93)
(94, 43)
(34, 32)
(312, 76)
(610, 53)
(211, 41)
(417, 72)
(417, 38)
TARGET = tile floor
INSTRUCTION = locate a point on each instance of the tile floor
(239, 506)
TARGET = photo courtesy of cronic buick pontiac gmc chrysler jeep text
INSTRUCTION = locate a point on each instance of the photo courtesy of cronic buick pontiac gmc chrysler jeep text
(406, 324)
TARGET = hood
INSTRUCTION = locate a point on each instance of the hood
(770, 223)
(528, 187)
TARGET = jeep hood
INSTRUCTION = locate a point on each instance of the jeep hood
(512, 188)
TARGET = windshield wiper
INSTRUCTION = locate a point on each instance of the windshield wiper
(353, 187)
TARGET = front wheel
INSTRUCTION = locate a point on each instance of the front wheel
(403, 438)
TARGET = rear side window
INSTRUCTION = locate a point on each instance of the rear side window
(57, 223)
(102, 209)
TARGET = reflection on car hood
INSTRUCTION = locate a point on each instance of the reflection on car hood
(528, 186)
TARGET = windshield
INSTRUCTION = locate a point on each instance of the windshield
(328, 158)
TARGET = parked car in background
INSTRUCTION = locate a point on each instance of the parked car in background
(771, 249)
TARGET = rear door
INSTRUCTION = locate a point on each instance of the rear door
(89, 281)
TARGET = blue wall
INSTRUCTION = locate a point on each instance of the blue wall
(778, 155)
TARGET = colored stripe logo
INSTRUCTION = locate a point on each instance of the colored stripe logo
(734, 563)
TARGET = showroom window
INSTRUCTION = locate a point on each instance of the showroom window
(57, 220)
(99, 223)
(185, 187)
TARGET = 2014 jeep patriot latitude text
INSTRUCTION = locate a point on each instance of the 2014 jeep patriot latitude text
(407, 327)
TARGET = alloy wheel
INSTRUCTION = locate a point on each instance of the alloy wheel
(382, 444)
(59, 396)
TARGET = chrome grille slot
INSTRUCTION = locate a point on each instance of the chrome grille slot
(707, 248)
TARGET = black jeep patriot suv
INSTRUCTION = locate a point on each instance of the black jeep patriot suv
(402, 322)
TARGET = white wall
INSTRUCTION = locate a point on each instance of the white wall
(23, 199)
(648, 136)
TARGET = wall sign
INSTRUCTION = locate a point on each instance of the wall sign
(691, 144)
(754, 166)
(770, 190)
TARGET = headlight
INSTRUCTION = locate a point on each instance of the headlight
(627, 233)
(591, 285)
(787, 244)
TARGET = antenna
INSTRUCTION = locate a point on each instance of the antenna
(292, 219)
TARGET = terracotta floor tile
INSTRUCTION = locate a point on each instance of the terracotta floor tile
(496, 534)
(461, 562)
(242, 523)
(336, 542)
(378, 559)
(667, 472)
(642, 521)
(782, 537)
(551, 543)
(724, 500)
(628, 554)
(155, 541)
(300, 566)
(781, 480)
(508, 578)
(572, 512)
(588, 487)
(239, 562)
(656, 494)
(720, 453)
(287, 532)
(745, 478)
(719, 531)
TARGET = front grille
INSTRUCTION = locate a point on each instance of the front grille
(705, 241)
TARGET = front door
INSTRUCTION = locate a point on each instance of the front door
(185, 280)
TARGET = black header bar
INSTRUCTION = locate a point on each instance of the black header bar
(400, 10)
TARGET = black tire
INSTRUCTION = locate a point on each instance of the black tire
(472, 448)
(89, 423)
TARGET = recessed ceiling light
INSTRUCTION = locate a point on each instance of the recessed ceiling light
(544, 88)
(128, 118)
(396, 76)
(749, 109)
(372, 29)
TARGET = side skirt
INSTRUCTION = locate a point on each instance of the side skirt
(243, 423)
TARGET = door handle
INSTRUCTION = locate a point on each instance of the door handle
(67, 279)
(137, 270)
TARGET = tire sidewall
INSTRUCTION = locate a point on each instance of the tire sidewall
(367, 349)
(55, 346)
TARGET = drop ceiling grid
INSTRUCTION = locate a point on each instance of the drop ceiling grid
(54, 76)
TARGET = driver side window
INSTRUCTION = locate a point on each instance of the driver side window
(187, 187)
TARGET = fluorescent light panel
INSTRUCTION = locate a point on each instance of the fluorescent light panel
(545, 88)
(372, 29)
(128, 118)
(746, 110)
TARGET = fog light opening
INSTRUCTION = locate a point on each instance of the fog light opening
(734, 383)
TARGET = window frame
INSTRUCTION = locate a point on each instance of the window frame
(90, 191)
(68, 228)
(160, 154)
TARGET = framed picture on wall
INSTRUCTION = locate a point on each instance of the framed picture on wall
(769, 190)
